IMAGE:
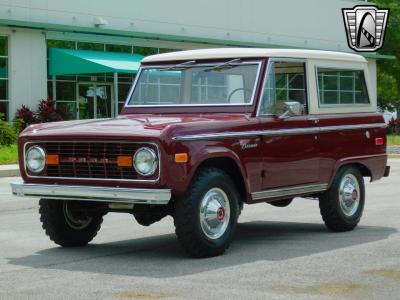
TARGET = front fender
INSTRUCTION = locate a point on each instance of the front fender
(181, 175)
(218, 152)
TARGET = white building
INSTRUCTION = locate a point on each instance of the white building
(29, 28)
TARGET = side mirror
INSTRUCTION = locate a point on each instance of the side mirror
(292, 109)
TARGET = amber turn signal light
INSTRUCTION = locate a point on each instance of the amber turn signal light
(181, 158)
(124, 161)
(52, 159)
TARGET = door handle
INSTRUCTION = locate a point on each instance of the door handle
(314, 119)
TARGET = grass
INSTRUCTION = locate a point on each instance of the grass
(393, 139)
(8, 154)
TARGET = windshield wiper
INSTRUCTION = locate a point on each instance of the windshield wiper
(225, 65)
(181, 66)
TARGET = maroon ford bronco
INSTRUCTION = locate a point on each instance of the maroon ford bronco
(204, 132)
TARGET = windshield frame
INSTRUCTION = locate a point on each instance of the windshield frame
(166, 66)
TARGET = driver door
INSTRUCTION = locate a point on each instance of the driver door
(289, 145)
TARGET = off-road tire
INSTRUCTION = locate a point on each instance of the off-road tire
(329, 204)
(59, 231)
(187, 214)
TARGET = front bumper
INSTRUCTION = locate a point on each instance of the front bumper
(92, 193)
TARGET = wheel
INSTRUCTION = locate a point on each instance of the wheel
(206, 218)
(282, 202)
(66, 225)
(343, 204)
(146, 219)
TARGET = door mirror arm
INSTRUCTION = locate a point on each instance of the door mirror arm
(292, 109)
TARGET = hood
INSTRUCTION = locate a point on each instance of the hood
(129, 126)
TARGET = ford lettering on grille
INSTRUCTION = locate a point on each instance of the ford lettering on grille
(92, 160)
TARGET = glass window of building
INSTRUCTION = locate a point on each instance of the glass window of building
(66, 96)
(60, 44)
(72, 92)
(90, 46)
(145, 51)
(166, 50)
(119, 48)
(4, 77)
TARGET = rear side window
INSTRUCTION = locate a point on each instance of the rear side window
(341, 87)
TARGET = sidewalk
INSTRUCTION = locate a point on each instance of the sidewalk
(395, 150)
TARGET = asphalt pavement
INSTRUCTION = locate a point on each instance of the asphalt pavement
(278, 253)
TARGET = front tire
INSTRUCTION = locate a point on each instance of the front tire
(343, 204)
(65, 226)
(206, 218)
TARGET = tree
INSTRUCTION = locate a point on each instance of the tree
(389, 70)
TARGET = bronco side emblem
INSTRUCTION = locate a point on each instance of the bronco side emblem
(365, 27)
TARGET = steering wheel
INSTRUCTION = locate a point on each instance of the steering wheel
(235, 91)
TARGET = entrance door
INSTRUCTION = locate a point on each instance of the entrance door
(94, 100)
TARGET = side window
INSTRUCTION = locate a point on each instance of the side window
(285, 81)
(341, 87)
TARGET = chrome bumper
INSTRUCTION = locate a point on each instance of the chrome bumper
(92, 193)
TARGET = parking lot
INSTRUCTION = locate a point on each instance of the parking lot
(278, 253)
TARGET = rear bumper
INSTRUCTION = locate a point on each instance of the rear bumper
(92, 193)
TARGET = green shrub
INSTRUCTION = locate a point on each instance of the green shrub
(8, 134)
(47, 111)
(26, 117)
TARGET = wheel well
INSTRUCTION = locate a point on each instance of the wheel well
(229, 166)
(365, 171)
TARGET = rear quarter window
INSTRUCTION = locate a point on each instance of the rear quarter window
(338, 87)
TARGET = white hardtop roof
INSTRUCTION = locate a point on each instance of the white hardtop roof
(226, 53)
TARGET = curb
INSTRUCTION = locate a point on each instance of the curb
(10, 173)
(9, 170)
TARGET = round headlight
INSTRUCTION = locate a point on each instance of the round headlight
(145, 161)
(35, 159)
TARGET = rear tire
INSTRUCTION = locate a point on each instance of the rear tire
(206, 218)
(66, 227)
(343, 204)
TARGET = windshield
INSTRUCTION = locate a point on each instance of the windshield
(190, 84)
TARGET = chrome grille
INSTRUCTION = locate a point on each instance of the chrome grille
(92, 160)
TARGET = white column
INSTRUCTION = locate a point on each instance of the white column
(116, 95)
(27, 68)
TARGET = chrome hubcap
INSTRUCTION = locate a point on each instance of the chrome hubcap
(74, 220)
(214, 213)
(349, 195)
